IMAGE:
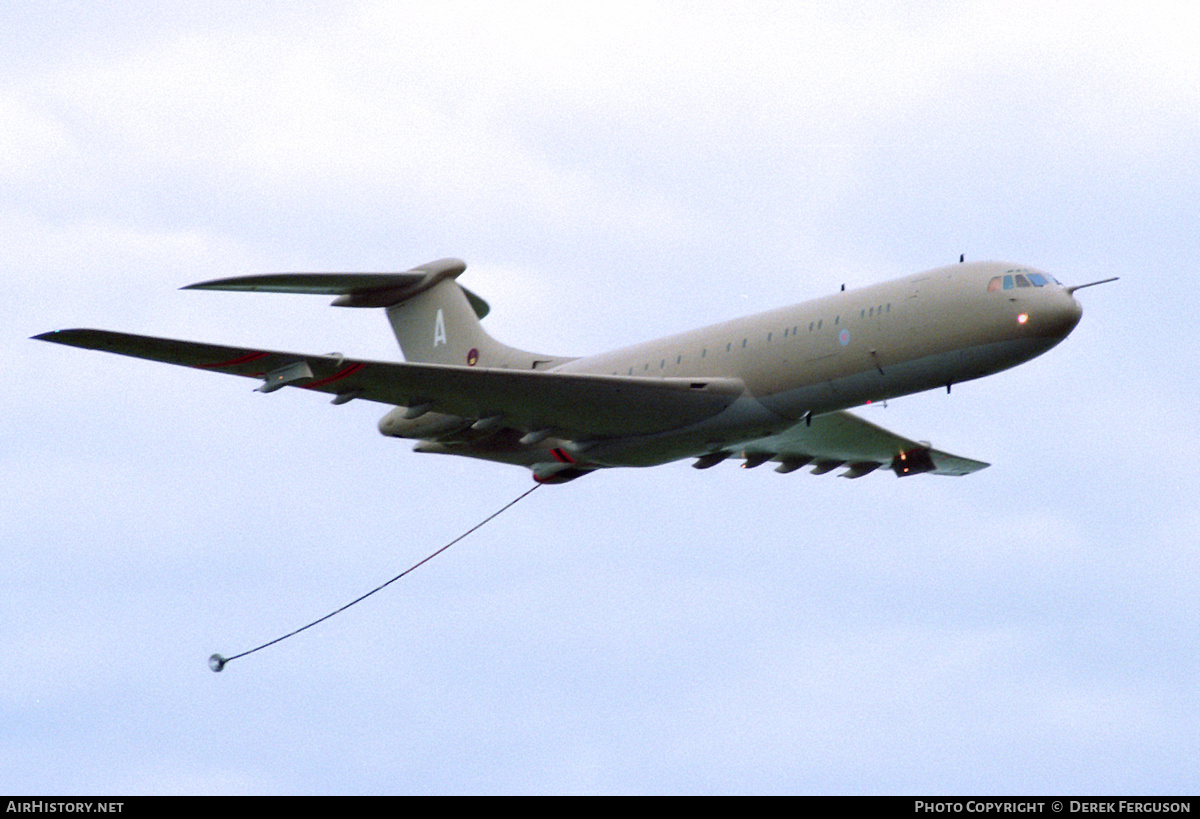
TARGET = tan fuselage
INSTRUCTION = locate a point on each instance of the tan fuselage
(929, 330)
(925, 331)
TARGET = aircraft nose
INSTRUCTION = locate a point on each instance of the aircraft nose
(1060, 317)
(1076, 311)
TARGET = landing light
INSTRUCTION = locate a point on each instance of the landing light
(913, 462)
(1021, 319)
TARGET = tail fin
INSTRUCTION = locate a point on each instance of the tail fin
(435, 319)
(439, 324)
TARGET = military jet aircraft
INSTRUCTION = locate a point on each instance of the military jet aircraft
(769, 387)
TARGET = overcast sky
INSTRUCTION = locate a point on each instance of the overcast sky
(611, 173)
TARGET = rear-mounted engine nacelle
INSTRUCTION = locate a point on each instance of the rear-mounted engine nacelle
(913, 462)
(396, 424)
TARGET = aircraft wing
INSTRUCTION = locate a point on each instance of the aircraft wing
(843, 440)
(573, 405)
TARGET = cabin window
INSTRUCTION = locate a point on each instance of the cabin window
(704, 353)
(743, 343)
(729, 346)
(769, 336)
(819, 323)
(679, 358)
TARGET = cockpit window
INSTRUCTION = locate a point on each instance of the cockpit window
(997, 283)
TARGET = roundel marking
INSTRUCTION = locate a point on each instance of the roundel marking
(472, 357)
(844, 337)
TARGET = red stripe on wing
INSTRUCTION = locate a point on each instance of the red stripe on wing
(353, 368)
(232, 362)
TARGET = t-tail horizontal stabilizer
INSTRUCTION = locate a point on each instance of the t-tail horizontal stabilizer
(353, 289)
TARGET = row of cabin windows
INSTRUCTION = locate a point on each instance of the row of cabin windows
(792, 331)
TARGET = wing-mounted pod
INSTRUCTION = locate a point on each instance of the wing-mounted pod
(412, 422)
(296, 373)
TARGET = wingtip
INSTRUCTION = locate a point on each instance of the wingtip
(74, 337)
(205, 285)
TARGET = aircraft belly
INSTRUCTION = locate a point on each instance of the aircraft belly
(501, 446)
(746, 418)
(892, 380)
